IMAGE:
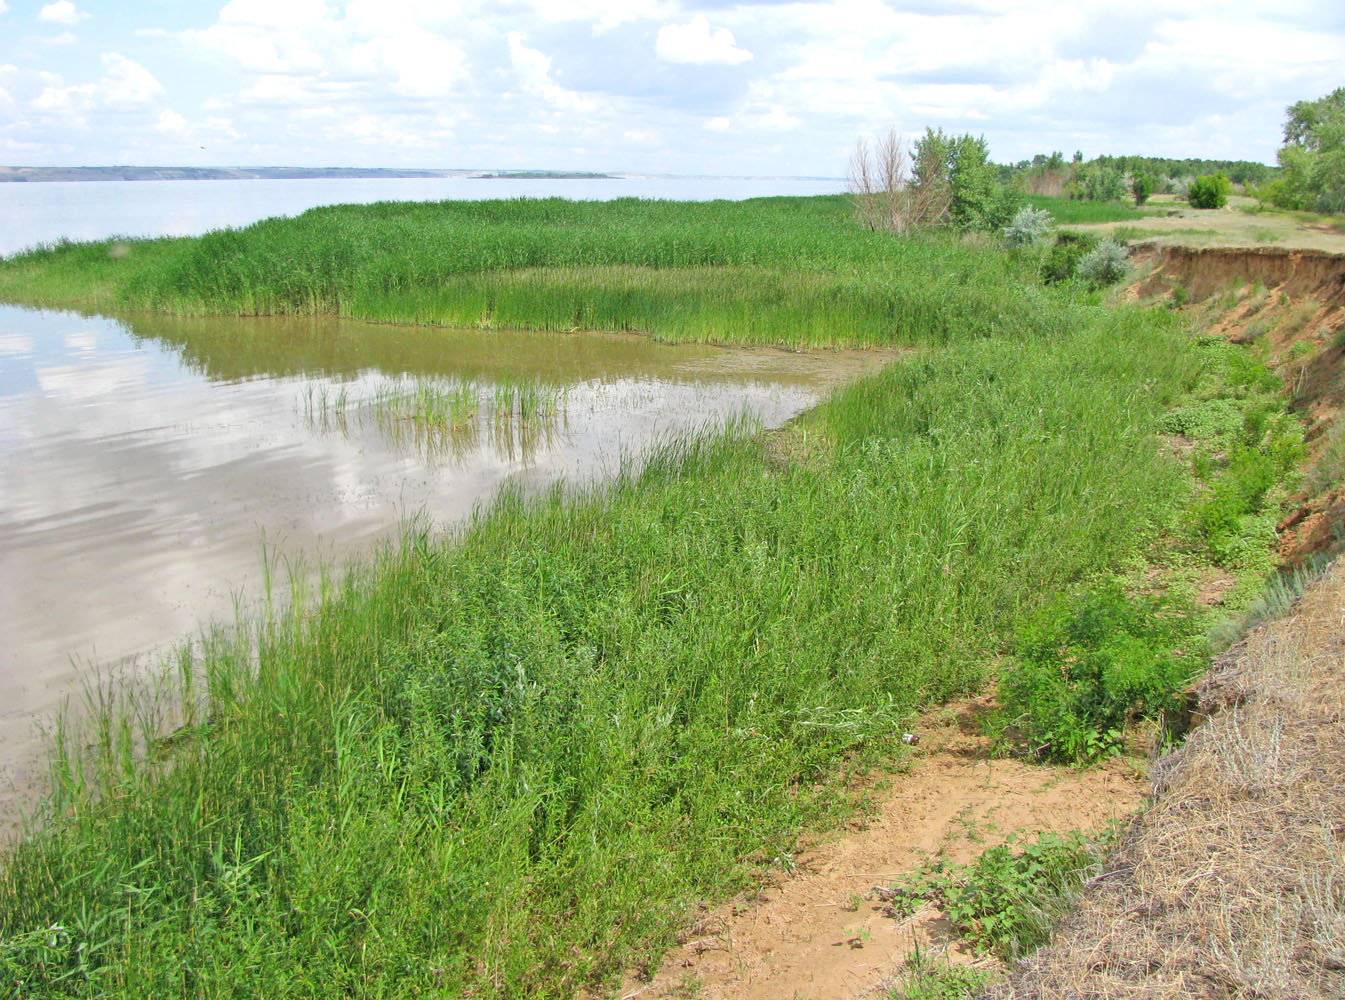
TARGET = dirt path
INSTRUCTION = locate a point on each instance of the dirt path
(818, 934)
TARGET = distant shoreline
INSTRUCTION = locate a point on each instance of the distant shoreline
(129, 173)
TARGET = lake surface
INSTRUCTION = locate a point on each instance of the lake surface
(144, 465)
(32, 213)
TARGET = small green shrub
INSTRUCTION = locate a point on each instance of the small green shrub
(1085, 667)
(1062, 260)
(1180, 296)
(1105, 264)
(1006, 902)
(1208, 191)
(1029, 227)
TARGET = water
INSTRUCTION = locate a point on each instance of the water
(145, 464)
(32, 213)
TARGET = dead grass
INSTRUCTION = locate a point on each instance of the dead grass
(1233, 883)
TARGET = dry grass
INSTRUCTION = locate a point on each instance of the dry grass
(1233, 883)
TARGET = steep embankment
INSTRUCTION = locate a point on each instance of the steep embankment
(1229, 885)
(1291, 304)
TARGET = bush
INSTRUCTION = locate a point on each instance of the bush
(1062, 260)
(1084, 668)
(1208, 191)
(1029, 228)
(1105, 264)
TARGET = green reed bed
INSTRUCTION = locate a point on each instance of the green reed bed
(795, 271)
(505, 764)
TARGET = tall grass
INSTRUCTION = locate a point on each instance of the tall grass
(791, 271)
(503, 765)
(1068, 211)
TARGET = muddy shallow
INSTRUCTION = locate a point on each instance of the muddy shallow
(146, 464)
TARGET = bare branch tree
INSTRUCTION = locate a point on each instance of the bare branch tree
(887, 196)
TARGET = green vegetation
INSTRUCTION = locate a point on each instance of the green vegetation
(506, 763)
(1105, 264)
(1069, 212)
(1007, 901)
(1062, 259)
(796, 272)
(434, 417)
(1313, 157)
(1085, 667)
(1141, 187)
(927, 978)
(1208, 191)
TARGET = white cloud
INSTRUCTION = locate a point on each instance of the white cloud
(126, 83)
(64, 38)
(697, 43)
(3, 6)
(61, 12)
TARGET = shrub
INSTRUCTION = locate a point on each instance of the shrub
(1105, 264)
(1083, 668)
(1029, 228)
(1062, 260)
(1007, 901)
(1208, 191)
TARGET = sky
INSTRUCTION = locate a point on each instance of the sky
(647, 86)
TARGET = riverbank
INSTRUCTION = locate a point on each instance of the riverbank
(507, 763)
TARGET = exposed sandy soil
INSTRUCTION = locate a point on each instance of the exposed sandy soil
(818, 932)
(1233, 226)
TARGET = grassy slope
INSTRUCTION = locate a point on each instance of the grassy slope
(504, 765)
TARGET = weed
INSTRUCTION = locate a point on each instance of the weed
(925, 977)
(1006, 902)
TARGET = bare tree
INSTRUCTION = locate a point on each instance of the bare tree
(887, 195)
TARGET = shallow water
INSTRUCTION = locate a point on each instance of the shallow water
(145, 464)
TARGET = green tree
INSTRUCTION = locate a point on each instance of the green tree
(961, 167)
(1313, 156)
(1141, 185)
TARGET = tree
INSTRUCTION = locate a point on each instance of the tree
(890, 195)
(1313, 156)
(943, 179)
(1141, 185)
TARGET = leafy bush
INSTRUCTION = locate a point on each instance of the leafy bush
(1208, 191)
(1062, 260)
(1028, 228)
(1085, 667)
(1141, 186)
(1105, 264)
(1006, 901)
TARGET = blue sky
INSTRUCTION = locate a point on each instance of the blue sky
(656, 86)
